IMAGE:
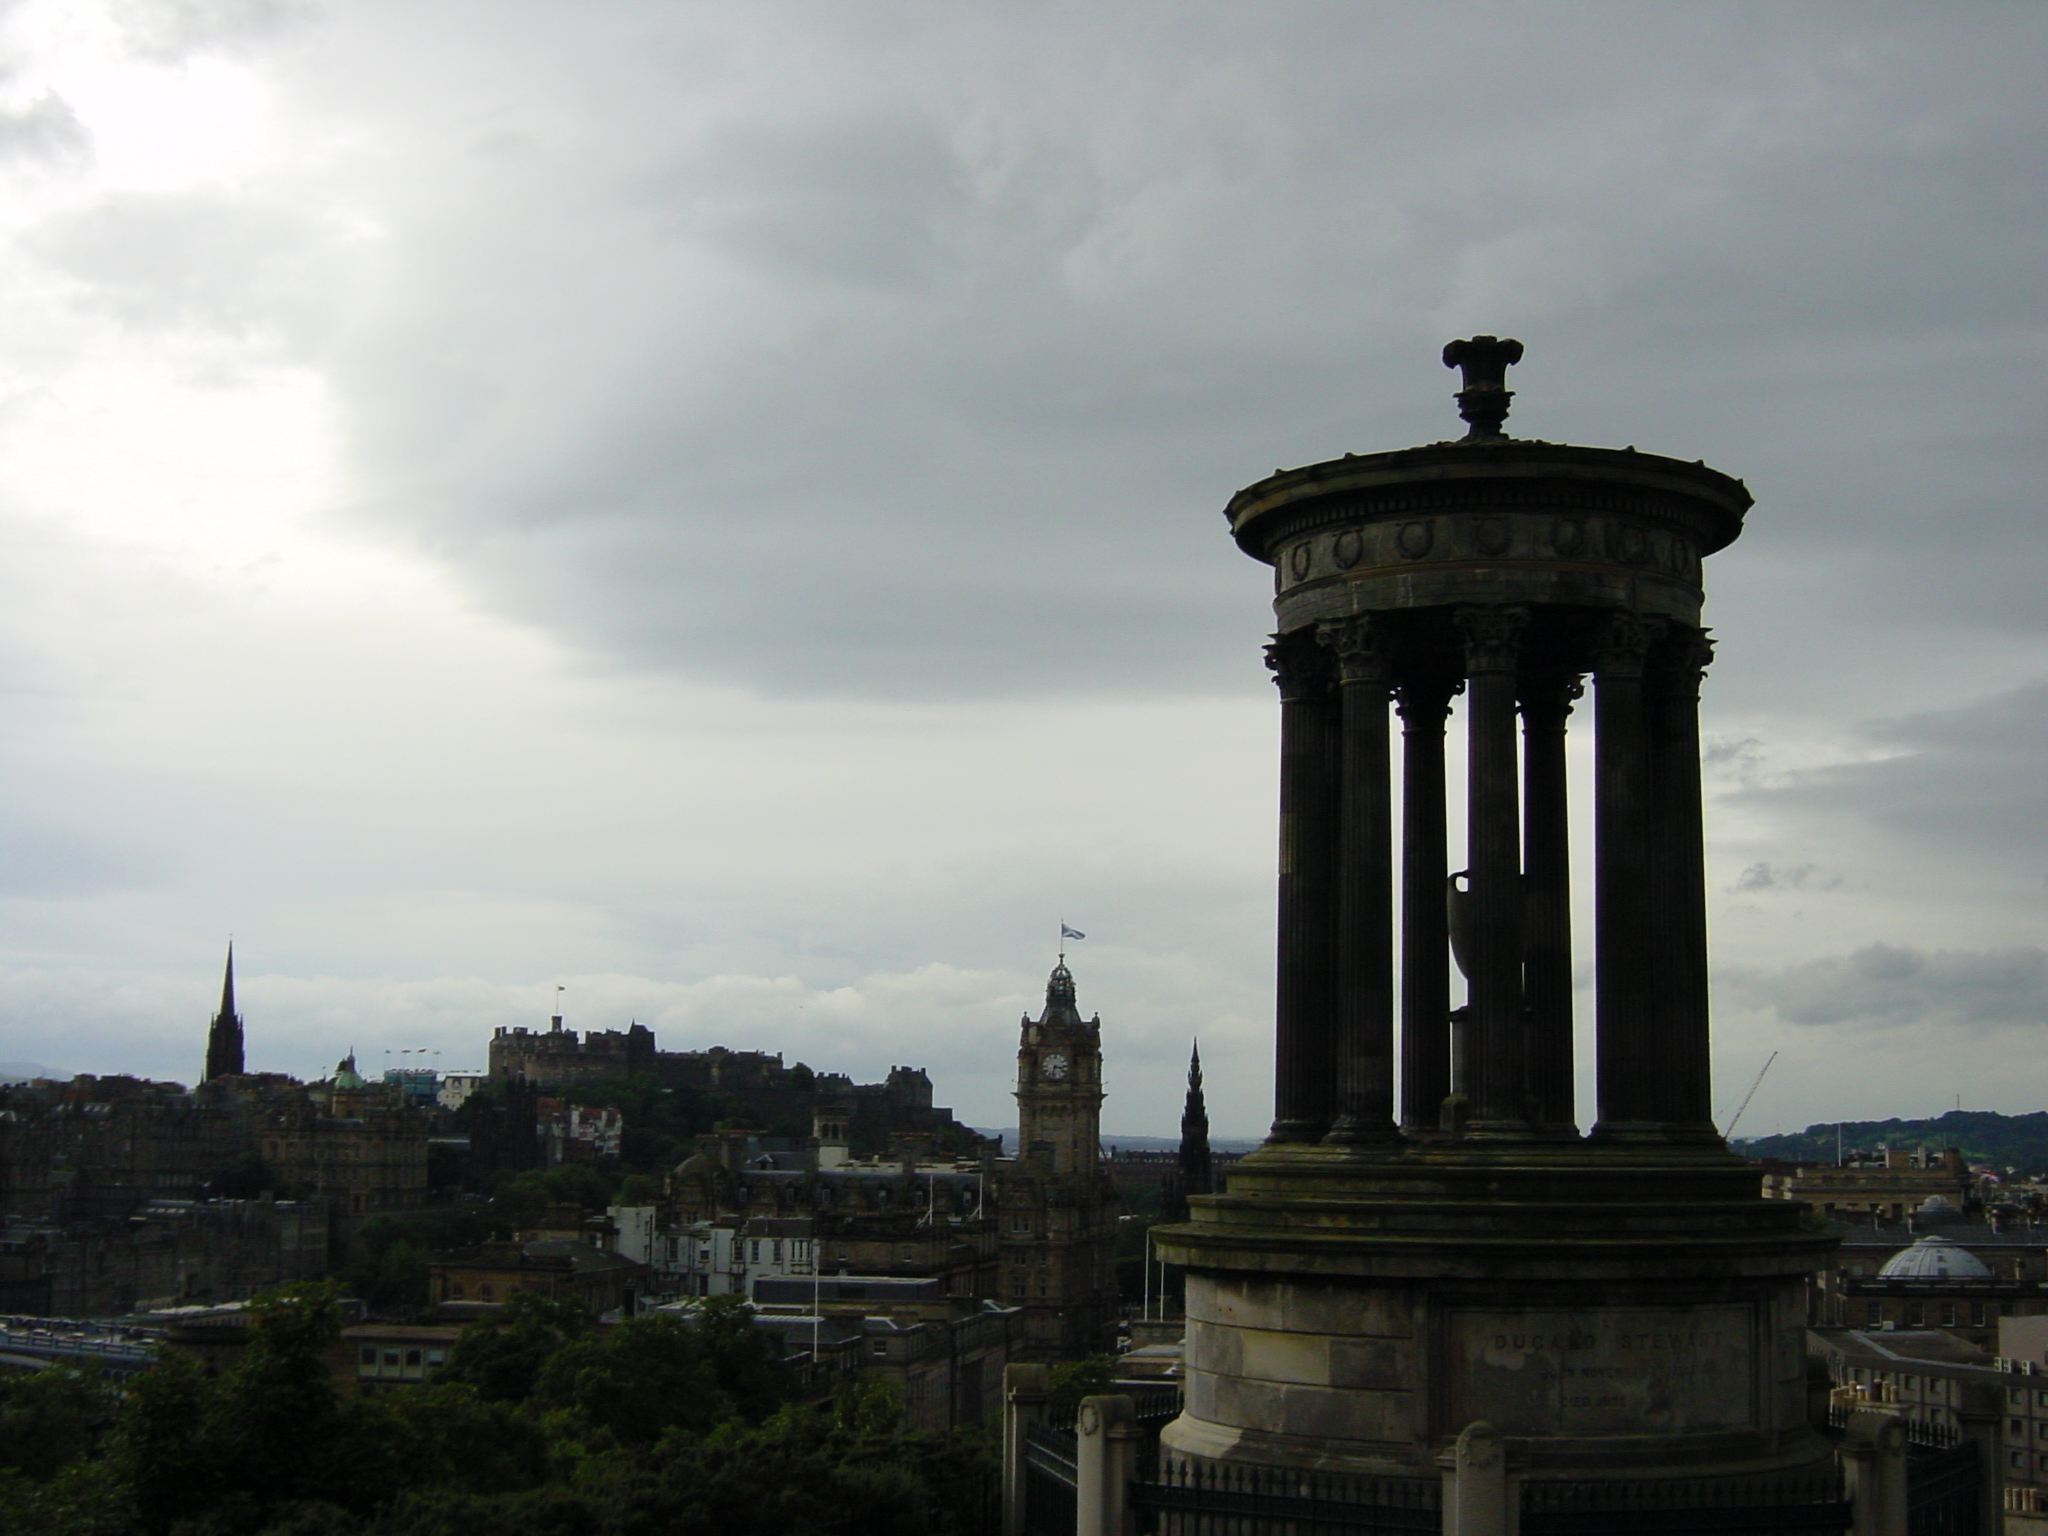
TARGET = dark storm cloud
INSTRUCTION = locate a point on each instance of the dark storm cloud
(1886, 984)
(884, 351)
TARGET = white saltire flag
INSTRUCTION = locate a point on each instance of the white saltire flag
(1071, 933)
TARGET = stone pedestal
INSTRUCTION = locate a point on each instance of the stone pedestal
(1610, 1312)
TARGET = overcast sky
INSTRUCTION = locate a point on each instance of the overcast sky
(716, 507)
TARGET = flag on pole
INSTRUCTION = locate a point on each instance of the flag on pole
(1071, 933)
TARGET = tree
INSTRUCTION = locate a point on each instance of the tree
(502, 1356)
(50, 1419)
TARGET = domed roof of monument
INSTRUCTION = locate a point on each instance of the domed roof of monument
(1934, 1257)
(697, 1162)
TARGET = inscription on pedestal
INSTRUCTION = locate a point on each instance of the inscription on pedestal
(1620, 1371)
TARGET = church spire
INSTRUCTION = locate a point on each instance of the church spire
(224, 1039)
(1196, 1177)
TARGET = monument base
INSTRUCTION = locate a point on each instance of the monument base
(1612, 1311)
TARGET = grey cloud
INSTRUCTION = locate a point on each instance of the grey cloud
(908, 353)
(1959, 782)
(227, 263)
(175, 29)
(1883, 984)
(1783, 877)
(46, 131)
(54, 862)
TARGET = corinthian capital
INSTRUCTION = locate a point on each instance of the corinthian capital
(1493, 636)
(1301, 668)
(1686, 656)
(1355, 643)
(1623, 644)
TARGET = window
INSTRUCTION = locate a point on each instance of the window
(412, 1358)
(2018, 1459)
(1978, 1318)
(1021, 1222)
(483, 1292)
(1948, 1314)
(366, 1356)
(879, 1347)
(391, 1358)
(2039, 1397)
(436, 1357)
(2016, 1397)
(2017, 1428)
(1873, 1311)
(1916, 1314)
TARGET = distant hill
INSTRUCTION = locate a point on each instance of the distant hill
(28, 1072)
(1987, 1139)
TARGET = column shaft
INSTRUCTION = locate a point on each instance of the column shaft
(1546, 875)
(1497, 1075)
(1365, 891)
(1303, 1026)
(1680, 1064)
(1621, 855)
(1425, 935)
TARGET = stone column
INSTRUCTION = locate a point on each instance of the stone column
(1026, 1389)
(1621, 857)
(1106, 1438)
(1546, 874)
(1481, 1497)
(1497, 1074)
(1425, 702)
(1678, 1051)
(1303, 1023)
(1365, 890)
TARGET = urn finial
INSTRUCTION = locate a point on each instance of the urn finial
(1483, 402)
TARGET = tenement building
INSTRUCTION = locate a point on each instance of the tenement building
(1429, 1243)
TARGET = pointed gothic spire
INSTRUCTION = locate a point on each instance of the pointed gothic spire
(1196, 1176)
(224, 1039)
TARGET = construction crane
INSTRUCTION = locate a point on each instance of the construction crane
(1748, 1096)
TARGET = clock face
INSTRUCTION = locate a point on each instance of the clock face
(1053, 1065)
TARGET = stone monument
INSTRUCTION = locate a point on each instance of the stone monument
(1390, 1268)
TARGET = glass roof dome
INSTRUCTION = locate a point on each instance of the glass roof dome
(1934, 1257)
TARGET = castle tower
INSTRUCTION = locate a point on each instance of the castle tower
(224, 1037)
(1386, 1270)
(1056, 1204)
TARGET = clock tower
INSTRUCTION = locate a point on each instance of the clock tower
(1059, 1081)
(1057, 1206)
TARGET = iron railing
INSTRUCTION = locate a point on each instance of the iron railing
(1225, 1499)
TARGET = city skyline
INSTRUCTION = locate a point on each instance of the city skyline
(718, 509)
